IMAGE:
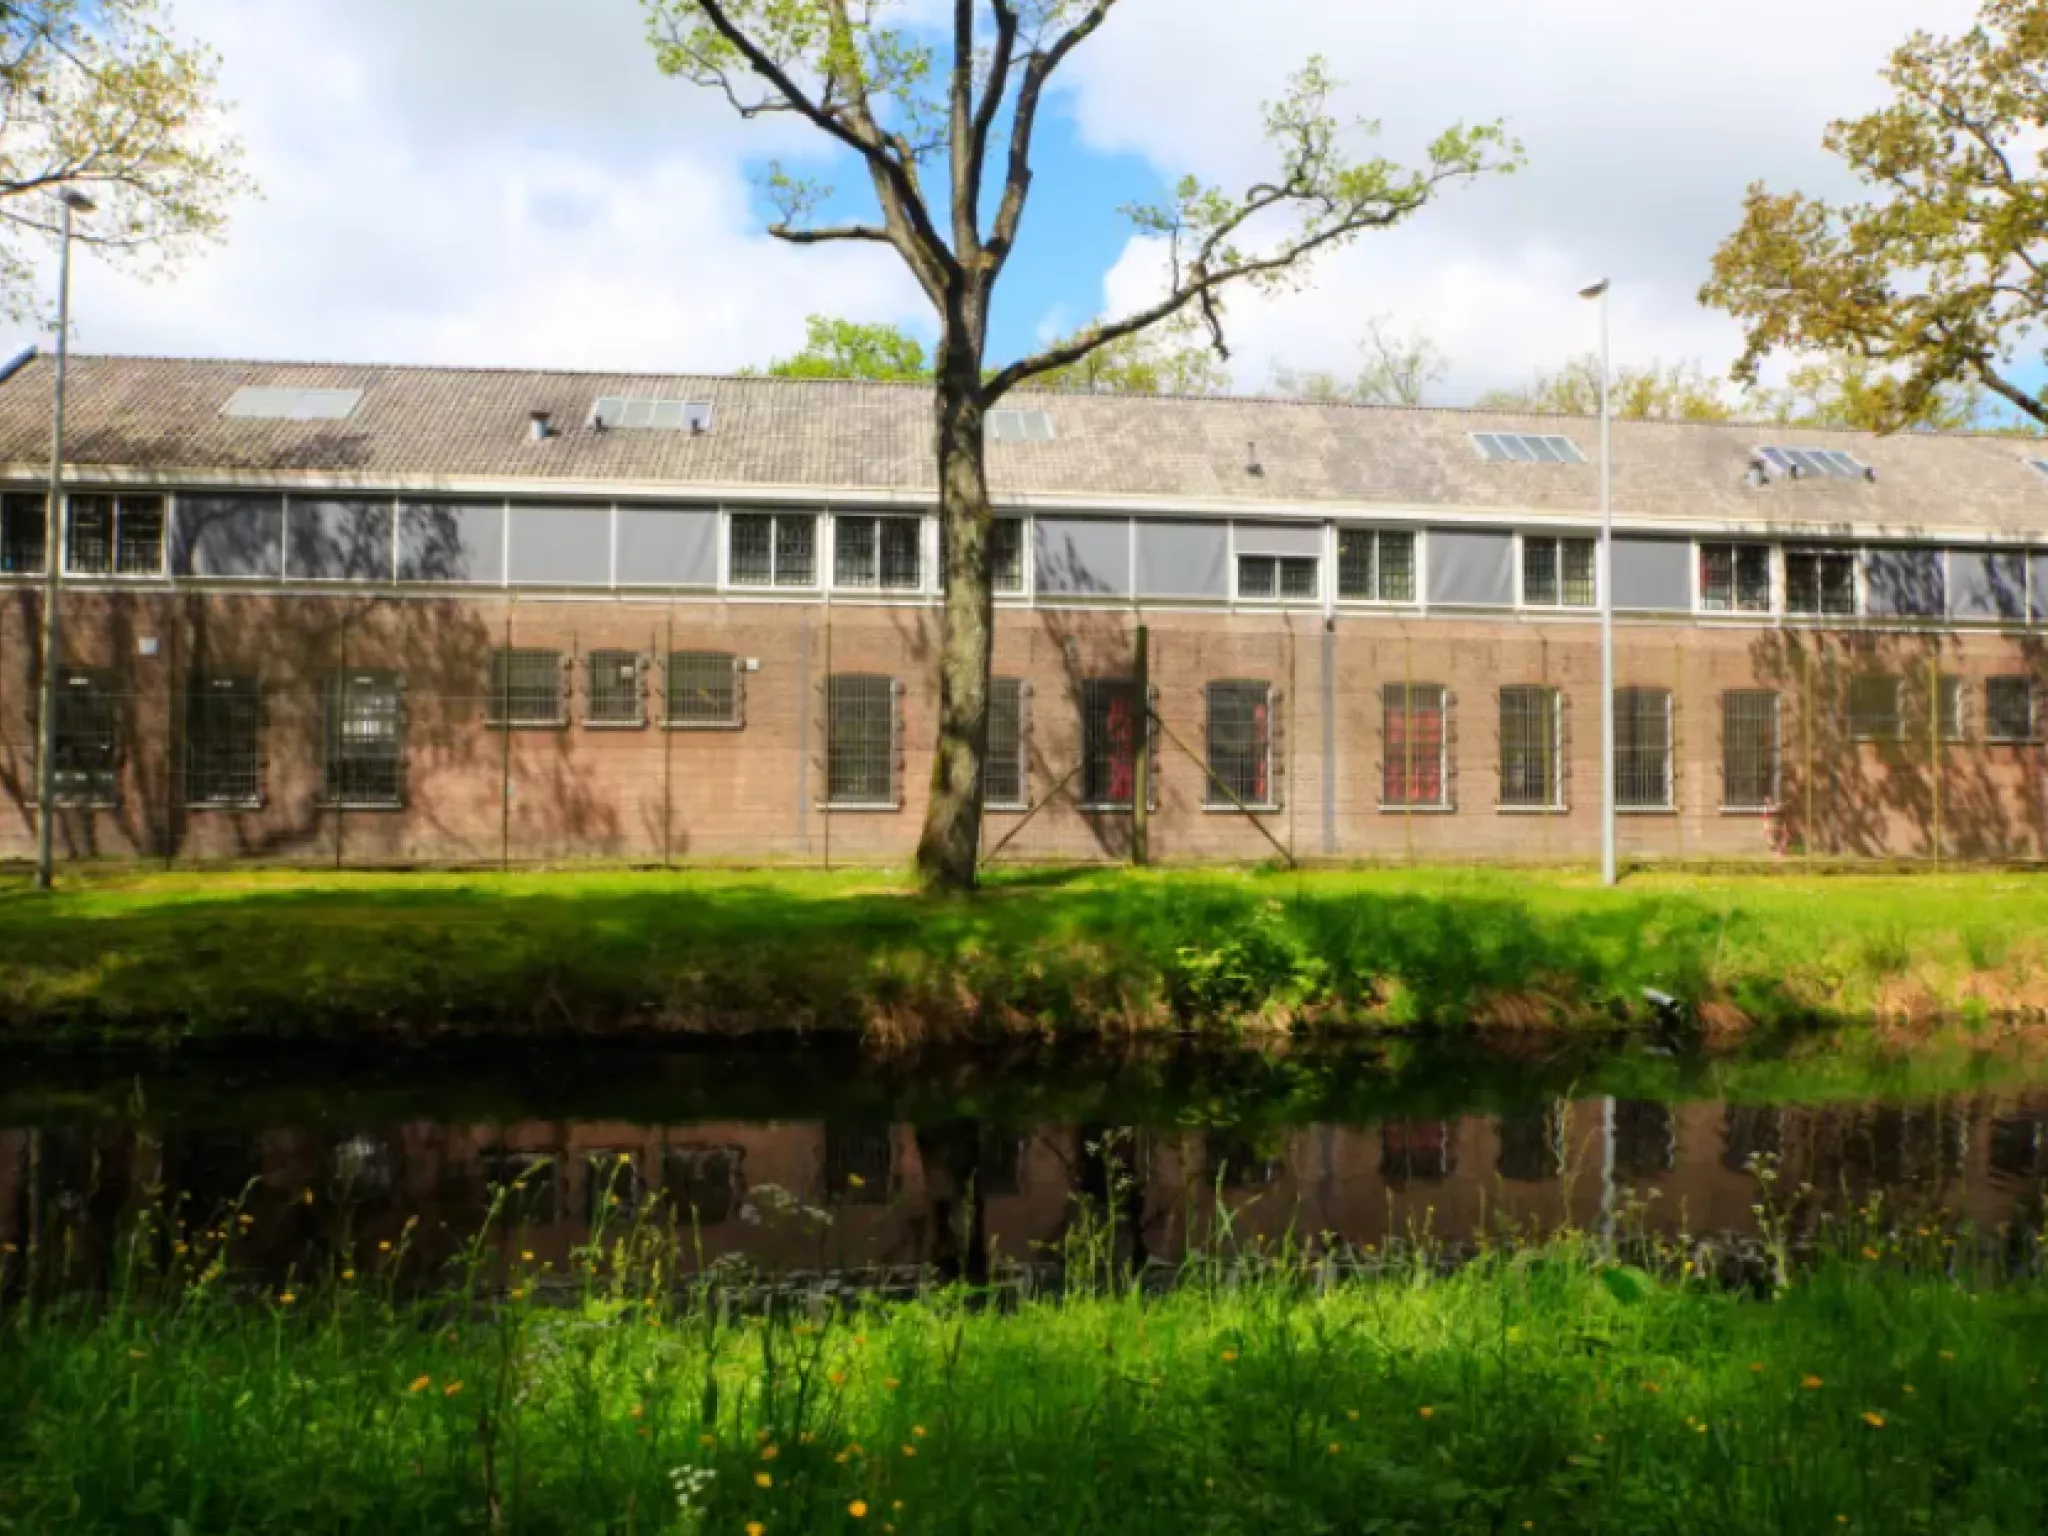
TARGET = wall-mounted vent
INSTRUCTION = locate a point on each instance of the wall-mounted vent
(623, 413)
(257, 402)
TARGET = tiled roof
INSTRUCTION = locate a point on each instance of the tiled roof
(163, 417)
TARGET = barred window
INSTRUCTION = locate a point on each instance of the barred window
(1645, 1138)
(860, 741)
(1642, 749)
(1417, 1152)
(1874, 708)
(107, 535)
(1290, 578)
(2009, 709)
(1006, 553)
(879, 552)
(1415, 742)
(1820, 583)
(703, 1183)
(526, 689)
(85, 766)
(1008, 771)
(773, 549)
(860, 1163)
(1532, 1145)
(703, 690)
(1948, 708)
(363, 746)
(1110, 713)
(1749, 750)
(1558, 573)
(614, 695)
(1532, 748)
(23, 534)
(1375, 565)
(1240, 744)
(1735, 578)
(223, 739)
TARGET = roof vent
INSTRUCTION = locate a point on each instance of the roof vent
(1252, 466)
(541, 426)
(1870, 473)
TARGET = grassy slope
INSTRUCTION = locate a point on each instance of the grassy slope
(292, 953)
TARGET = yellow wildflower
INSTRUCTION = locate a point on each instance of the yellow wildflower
(286, 1298)
(756, 1528)
(1335, 1447)
(858, 1509)
(1229, 1355)
(1812, 1383)
(1428, 1412)
(910, 1450)
(891, 1383)
(763, 1480)
(347, 1275)
(917, 1431)
(451, 1389)
(1874, 1420)
(420, 1384)
(770, 1452)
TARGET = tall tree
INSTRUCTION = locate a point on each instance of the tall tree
(1658, 392)
(100, 97)
(850, 349)
(1847, 390)
(1399, 368)
(1941, 275)
(940, 120)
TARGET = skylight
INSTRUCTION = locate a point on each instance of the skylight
(1526, 448)
(622, 414)
(256, 402)
(2040, 464)
(1812, 461)
(1020, 426)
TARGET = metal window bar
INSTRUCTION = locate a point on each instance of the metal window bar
(703, 691)
(1298, 577)
(860, 742)
(1006, 553)
(796, 550)
(856, 561)
(526, 689)
(363, 761)
(1820, 584)
(1258, 576)
(614, 694)
(1874, 708)
(1532, 1146)
(1240, 744)
(1356, 563)
(85, 756)
(703, 1184)
(1414, 738)
(1717, 578)
(1750, 751)
(859, 1163)
(1109, 742)
(1539, 572)
(23, 534)
(89, 536)
(1577, 559)
(139, 536)
(1642, 749)
(1645, 1138)
(1531, 776)
(1753, 578)
(2009, 709)
(902, 562)
(1007, 772)
(1397, 567)
(752, 558)
(223, 740)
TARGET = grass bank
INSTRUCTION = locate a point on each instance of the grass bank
(295, 955)
(1889, 1389)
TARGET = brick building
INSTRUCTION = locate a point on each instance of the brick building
(363, 615)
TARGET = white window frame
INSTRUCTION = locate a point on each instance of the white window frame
(1777, 800)
(1523, 538)
(1446, 802)
(115, 573)
(1023, 803)
(2033, 727)
(1774, 578)
(822, 553)
(1378, 531)
(1279, 598)
(1214, 802)
(926, 555)
(1560, 802)
(1670, 804)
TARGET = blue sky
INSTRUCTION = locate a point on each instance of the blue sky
(512, 182)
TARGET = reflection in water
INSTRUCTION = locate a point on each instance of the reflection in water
(956, 1197)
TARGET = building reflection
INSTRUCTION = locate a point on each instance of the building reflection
(960, 1197)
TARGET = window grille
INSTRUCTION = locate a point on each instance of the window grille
(1735, 578)
(363, 757)
(526, 689)
(878, 552)
(1532, 1146)
(1642, 749)
(860, 743)
(1110, 713)
(1008, 771)
(1820, 583)
(1948, 708)
(139, 536)
(85, 765)
(703, 691)
(223, 737)
(1749, 750)
(1240, 744)
(1375, 565)
(2009, 709)
(1288, 577)
(614, 694)
(1645, 1138)
(1416, 1152)
(1532, 748)
(106, 535)
(860, 1163)
(1415, 742)
(1874, 708)
(1558, 573)
(1006, 553)
(773, 549)
(23, 527)
(703, 1183)
(89, 536)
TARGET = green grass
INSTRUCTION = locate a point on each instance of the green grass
(175, 956)
(1891, 1388)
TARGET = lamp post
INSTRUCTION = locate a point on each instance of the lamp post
(73, 202)
(1606, 578)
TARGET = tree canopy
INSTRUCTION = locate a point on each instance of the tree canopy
(1656, 392)
(850, 349)
(1940, 276)
(102, 98)
(1399, 368)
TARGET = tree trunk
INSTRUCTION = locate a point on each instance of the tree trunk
(950, 849)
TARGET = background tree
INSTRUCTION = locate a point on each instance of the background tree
(850, 349)
(98, 95)
(1172, 358)
(1941, 277)
(1846, 390)
(1399, 368)
(940, 121)
(1658, 392)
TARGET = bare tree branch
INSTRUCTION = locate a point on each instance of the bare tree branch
(1039, 68)
(834, 232)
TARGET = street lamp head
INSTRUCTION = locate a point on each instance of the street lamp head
(77, 201)
(1595, 291)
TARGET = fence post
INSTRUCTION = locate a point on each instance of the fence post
(1811, 833)
(1141, 784)
(1934, 755)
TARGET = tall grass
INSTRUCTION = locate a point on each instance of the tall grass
(1893, 1385)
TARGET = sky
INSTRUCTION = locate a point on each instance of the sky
(513, 182)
